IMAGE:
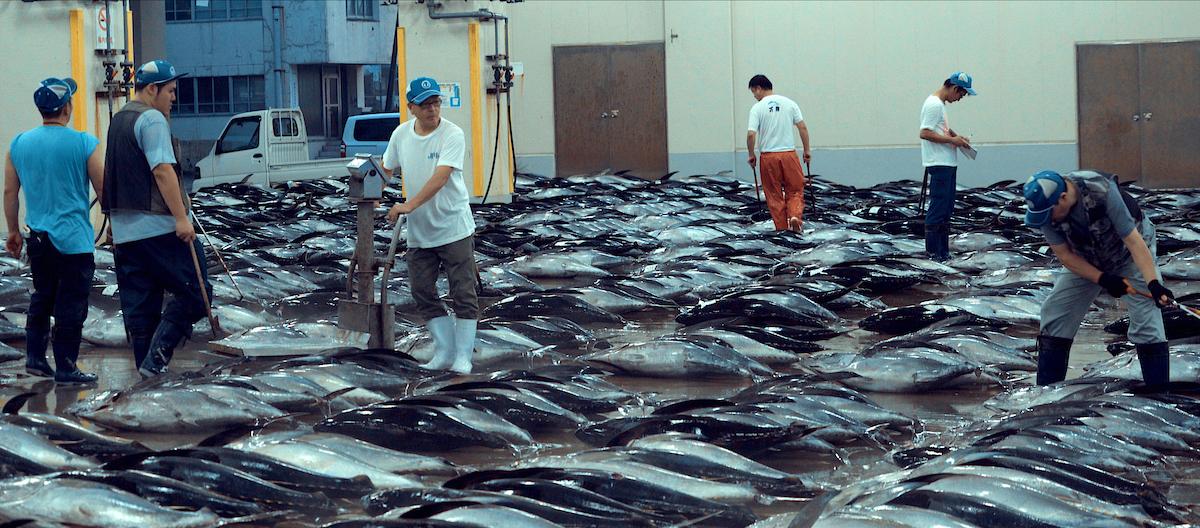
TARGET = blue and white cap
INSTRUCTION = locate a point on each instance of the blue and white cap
(961, 80)
(156, 72)
(54, 93)
(1042, 192)
(423, 88)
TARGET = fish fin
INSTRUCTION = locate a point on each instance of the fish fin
(429, 510)
(228, 435)
(129, 461)
(486, 475)
(191, 453)
(696, 521)
(258, 518)
(14, 404)
(690, 405)
(337, 393)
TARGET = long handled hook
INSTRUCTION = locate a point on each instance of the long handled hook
(241, 296)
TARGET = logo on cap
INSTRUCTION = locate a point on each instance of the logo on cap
(1047, 185)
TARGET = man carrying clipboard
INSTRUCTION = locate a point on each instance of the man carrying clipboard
(940, 157)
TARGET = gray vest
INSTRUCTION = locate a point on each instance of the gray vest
(128, 179)
(1099, 244)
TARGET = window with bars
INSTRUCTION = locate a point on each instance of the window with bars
(189, 10)
(220, 95)
(363, 9)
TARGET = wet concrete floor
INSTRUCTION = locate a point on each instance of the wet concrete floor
(936, 410)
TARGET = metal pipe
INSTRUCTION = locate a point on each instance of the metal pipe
(129, 58)
(498, 83)
(108, 26)
(277, 27)
(108, 61)
(512, 149)
(481, 14)
(394, 66)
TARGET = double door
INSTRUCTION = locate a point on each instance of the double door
(1139, 111)
(610, 109)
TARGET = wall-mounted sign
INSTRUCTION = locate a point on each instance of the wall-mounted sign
(453, 96)
(107, 37)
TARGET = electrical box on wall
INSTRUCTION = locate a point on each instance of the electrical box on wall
(464, 46)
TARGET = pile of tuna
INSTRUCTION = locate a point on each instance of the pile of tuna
(589, 283)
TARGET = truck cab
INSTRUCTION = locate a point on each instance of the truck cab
(261, 148)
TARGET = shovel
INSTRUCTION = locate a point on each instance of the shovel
(213, 323)
(1194, 312)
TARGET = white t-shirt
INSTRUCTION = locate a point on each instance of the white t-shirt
(447, 216)
(772, 119)
(933, 117)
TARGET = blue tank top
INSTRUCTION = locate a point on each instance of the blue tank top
(51, 162)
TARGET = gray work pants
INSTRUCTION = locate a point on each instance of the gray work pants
(1068, 303)
(458, 259)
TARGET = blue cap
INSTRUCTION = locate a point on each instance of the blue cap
(1042, 192)
(422, 88)
(156, 72)
(961, 80)
(54, 93)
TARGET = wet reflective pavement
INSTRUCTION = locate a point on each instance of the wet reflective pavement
(937, 411)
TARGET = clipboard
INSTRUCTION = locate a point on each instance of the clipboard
(969, 152)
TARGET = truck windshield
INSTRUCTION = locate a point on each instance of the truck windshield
(242, 134)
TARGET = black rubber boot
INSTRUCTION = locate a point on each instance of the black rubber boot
(162, 347)
(74, 377)
(141, 348)
(1053, 353)
(1156, 365)
(35, 352)
(66, 353)
(937, 241)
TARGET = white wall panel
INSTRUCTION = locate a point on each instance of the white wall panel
(859, 70)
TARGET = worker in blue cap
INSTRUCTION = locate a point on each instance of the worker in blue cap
(1106, 243)
(428, 152)
(153, 237)
(54, 164)
(939, 155)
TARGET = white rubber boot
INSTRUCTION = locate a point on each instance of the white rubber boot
(442, 331)
(464, 344)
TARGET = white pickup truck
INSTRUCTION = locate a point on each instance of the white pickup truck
(250, 152)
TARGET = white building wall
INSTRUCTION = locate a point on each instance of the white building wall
(859, 71)
(42, 31)
(538, 26)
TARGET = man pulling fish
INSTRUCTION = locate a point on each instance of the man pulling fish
(1106, 243)
(54, 164)
(154, 242)
(428, 151)
(770, 131)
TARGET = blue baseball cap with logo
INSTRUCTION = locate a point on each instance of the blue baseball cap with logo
(156, 72)
(961, 80)
(1042, 192)
(422, 88)
(54, 93)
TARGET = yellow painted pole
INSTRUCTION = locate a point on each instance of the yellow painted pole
(129, 47)
(473, 62)
(401, 74)
(79, 72)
